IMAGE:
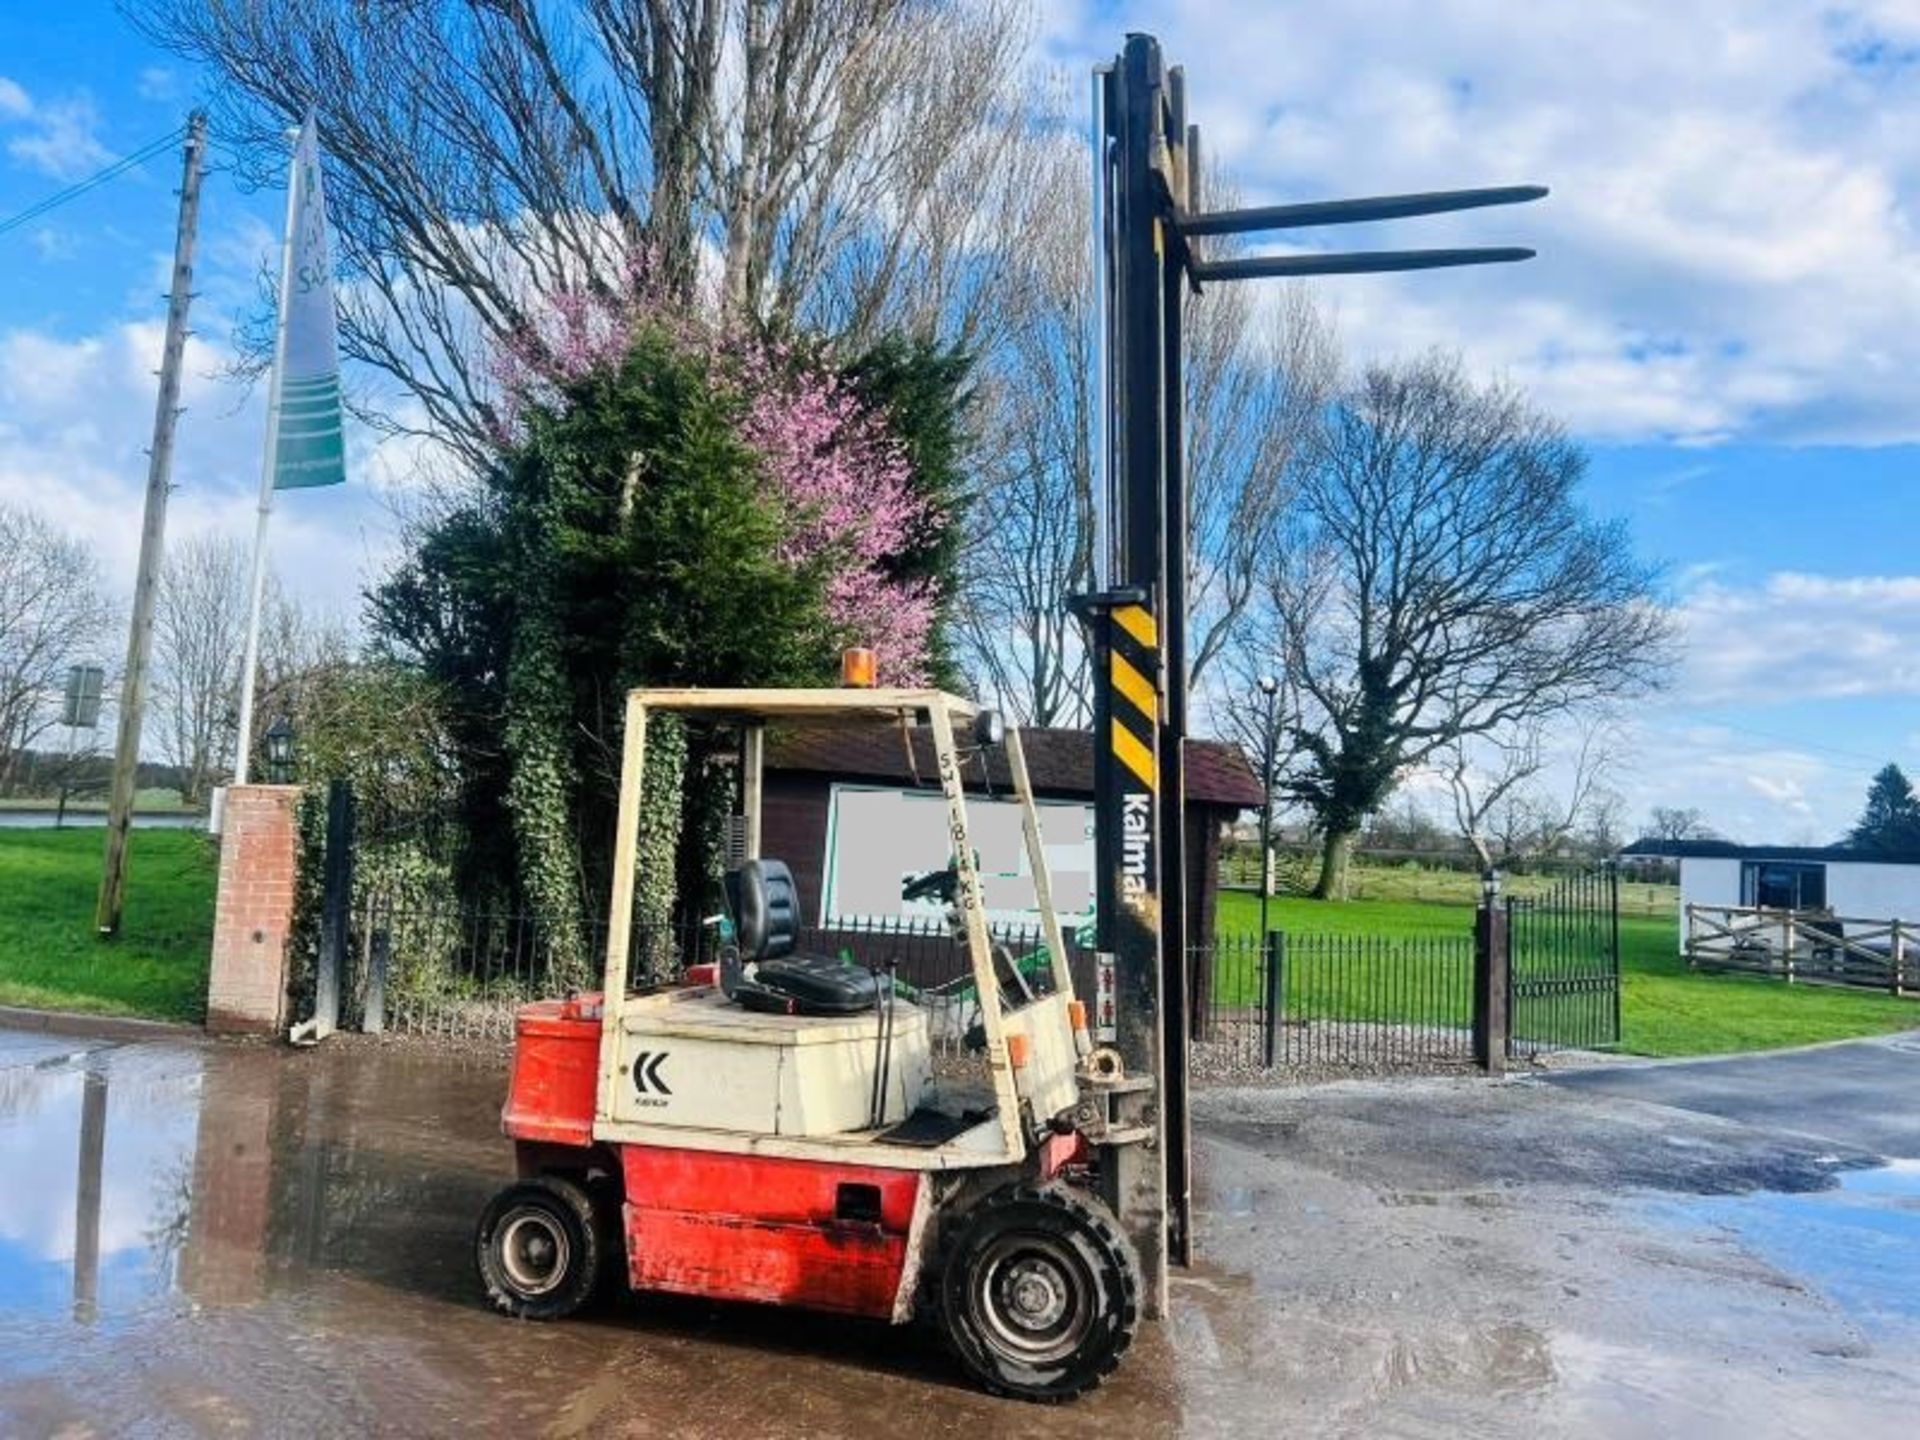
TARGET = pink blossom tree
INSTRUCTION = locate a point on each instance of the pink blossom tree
(847, 486)
(842, 479)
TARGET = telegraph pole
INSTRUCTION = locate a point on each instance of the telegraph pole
(153, 534)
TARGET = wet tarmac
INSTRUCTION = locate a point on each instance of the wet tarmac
(213, 1239)
(1838, 1092)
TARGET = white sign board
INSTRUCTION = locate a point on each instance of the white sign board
(878, 839)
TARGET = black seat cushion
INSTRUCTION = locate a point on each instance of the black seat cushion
(808, 985)
(766, 907)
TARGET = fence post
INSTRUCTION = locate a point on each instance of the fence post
(1276, 958)
(1613, 941)
(335, 908)
(1897, 952)
(1492, 1020)
(375, 1013)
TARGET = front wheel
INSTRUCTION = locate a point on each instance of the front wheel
(539, 1248)
(1040, 1293)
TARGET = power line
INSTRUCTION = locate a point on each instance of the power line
(1799, 743)
(92, 182)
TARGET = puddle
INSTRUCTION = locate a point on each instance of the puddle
(1858, 1243)
(140, 1180)
(96, 1168)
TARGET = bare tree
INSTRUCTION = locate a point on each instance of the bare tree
(1499, 804)
(299, 647)
(838, 161)
(52, 616)
(1256, 381)
(1029, 541)
(1667, 822)
(1601, 834)
(198, 633)
(1405, 824)
(1442, 583)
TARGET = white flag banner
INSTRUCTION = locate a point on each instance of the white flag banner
(309, 446)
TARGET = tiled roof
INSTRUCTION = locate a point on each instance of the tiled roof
(1060, 762)
(1728, 850)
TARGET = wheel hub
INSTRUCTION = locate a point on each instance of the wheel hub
(1038, 1294)
(1036, 1301)
(534, 1251)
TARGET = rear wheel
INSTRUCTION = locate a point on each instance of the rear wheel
(539, 1248)
(1040, 1293)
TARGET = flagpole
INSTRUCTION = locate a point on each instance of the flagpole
(251, 655)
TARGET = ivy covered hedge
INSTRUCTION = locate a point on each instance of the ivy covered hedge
(678, 510)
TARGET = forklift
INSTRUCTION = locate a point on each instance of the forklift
(771, 1128)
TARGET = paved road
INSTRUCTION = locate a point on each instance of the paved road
(209, 1239)
(1860, 1094)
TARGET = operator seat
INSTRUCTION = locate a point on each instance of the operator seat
(766, 908)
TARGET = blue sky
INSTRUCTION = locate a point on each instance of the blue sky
(1726, 310)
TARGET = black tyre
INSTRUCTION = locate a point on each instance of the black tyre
(1040, 1292)
(539, 1248)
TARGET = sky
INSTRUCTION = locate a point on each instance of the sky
(1726, 311)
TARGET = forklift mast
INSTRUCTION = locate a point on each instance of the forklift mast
(1148, 224)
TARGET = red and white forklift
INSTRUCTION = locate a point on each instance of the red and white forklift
(775, 1131)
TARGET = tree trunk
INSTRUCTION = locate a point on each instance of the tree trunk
(1335, 851)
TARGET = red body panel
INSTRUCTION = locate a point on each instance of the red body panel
(747, 1227)
(733, 1227)
(556, 1066)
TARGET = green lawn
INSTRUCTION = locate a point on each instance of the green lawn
(1435, 885)
(1665, 1008)
(50, 957)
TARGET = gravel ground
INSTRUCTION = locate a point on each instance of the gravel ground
(1317, 1051)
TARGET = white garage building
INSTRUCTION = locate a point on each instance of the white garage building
(1830, 880)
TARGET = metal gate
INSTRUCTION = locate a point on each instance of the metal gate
(1563, 971)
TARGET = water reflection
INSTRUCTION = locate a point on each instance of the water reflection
(142, 1177)
(1859, 1241)
(87, 1150)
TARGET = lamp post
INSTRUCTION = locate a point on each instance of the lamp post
(1269, 755)
(279, 738)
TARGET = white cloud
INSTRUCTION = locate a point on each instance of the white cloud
(15, 104)
(53, 243)
(76, 417)
(1748, 787)
(1729, 248)
(1801, 637)
(58, 138)
(1773, 674)
(158, 83)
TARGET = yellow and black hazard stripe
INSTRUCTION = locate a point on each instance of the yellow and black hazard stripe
(1134, 667)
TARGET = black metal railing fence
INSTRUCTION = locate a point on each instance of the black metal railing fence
(1563, 966)
(1329, 1003)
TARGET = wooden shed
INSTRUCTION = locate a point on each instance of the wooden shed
(809, 772)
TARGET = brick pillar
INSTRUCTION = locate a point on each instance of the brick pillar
(259, 845)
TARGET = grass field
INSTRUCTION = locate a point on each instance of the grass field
(1665, 1008)
(50, 958)
(1435, 885)
(49, 955)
